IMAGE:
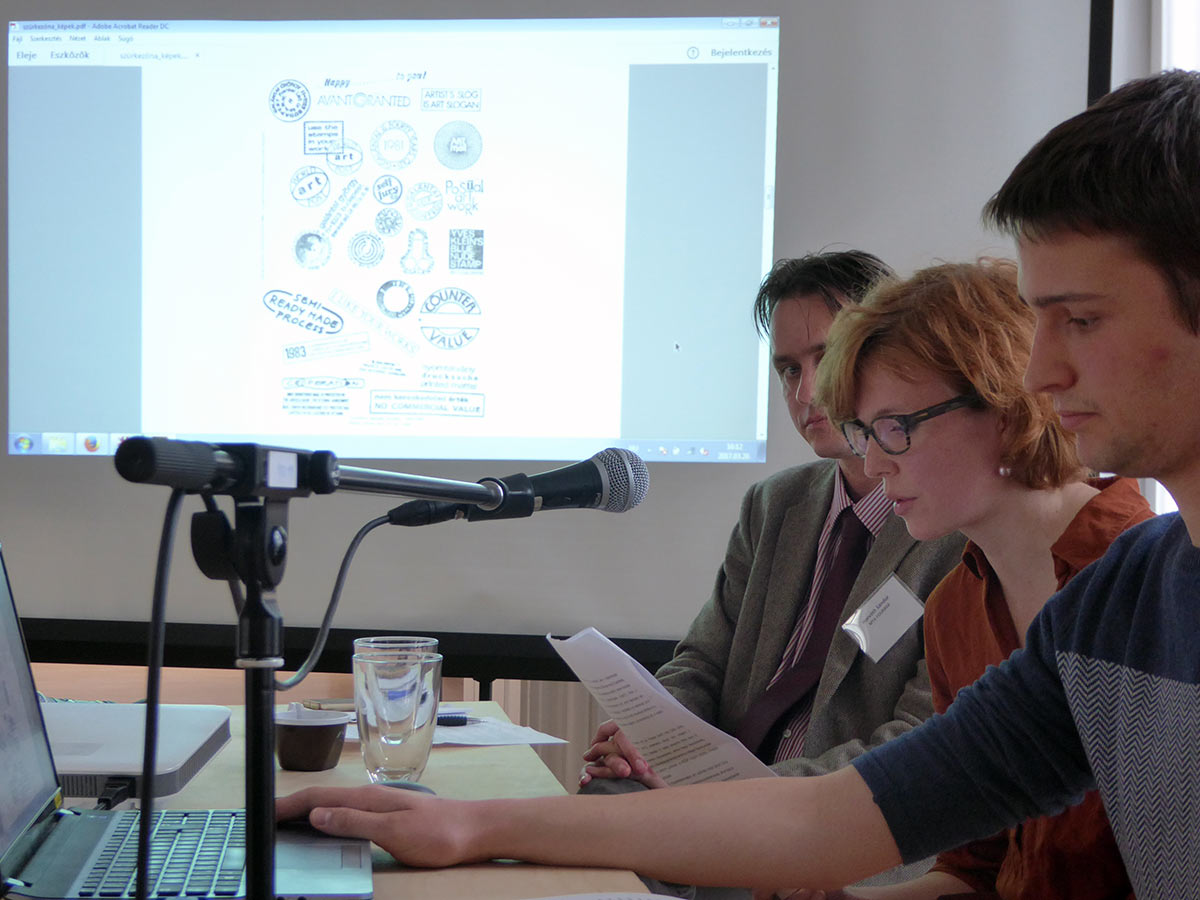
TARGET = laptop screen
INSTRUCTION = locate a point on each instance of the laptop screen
(29, 780)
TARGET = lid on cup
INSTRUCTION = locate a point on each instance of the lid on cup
(299, 714)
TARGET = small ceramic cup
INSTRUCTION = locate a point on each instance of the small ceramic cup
(310, 740)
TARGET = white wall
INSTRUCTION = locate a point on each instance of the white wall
(897, 121)
(1135, 45)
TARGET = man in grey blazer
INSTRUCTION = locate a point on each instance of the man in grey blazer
(736, 646)
(757, 626)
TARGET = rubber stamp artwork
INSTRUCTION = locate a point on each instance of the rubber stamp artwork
(446, 318)
(303, 312)
(466, 249)
(424, 201)
(309, 186)
(394, 144)
(346, 161)
(418, 260)
(457, 145)
(395, 299)
(366, 249)
(387, 189)
(340, 211)
(290, 100)
(388, 222)
(463, 196)
(312, 249)
(356, 186)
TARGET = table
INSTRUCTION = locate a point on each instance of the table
(457, 772)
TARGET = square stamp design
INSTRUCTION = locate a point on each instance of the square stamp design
(466, 249)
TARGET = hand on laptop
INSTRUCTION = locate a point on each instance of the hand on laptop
(417, 829)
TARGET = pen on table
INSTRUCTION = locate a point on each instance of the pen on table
(457, 718)
(344, 704)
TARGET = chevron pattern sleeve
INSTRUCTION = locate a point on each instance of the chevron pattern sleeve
(1106, 693)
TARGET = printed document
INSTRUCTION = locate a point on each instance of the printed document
(681, 747)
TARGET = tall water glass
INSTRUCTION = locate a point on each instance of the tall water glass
(395, 642)
(396, 697)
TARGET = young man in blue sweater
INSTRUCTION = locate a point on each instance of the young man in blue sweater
(1106, 692)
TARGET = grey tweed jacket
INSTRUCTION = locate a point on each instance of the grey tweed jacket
(734, 646)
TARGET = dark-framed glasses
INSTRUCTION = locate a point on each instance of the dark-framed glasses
(893, 433)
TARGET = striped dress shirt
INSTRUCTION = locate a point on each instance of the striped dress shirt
(872, 510)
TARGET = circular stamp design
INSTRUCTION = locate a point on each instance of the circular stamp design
(444, 318)
(290, 100)
(418, 260)
(387, 189)
(366, 248)
(346, 161)
(424, 201)
(394, 144)
(457, 145)
(388, 221)
(312, 249)
(309, 186)
(395, 299)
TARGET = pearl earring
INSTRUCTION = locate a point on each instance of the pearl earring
(1004, 471)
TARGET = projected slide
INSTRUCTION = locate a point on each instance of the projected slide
(424, 239)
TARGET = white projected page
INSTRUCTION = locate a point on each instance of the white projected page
(394, 238)
(380, 202)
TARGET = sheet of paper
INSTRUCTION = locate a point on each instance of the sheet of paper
(490, 733)
(484, 733)
(682, 748)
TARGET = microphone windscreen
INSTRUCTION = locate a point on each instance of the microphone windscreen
(627, 478)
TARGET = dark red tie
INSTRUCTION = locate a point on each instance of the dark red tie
(759, 729)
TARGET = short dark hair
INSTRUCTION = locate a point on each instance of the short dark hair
(837, 277)
(1129, 166)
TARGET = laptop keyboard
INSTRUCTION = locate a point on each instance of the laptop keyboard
(193, 853)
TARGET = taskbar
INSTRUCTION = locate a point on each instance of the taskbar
(99, 443)
(64, 443)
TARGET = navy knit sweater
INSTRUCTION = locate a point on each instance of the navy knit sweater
(1105, 693)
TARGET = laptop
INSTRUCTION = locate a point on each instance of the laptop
(53, 853)
(93, 742)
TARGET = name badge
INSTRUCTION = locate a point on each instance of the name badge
(887, 614)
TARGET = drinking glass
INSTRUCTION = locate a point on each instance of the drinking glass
(395, 642)
(396, 695)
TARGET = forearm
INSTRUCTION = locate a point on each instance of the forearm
(820, 832)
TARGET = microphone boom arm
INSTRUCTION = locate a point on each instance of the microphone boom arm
(487, 494)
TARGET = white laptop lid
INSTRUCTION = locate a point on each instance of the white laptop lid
(94, 741)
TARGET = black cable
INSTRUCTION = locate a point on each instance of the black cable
(157, 640)
(314, 656)
(158, 615)
(326, 623)
(116, 791)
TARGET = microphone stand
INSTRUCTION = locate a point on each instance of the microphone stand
(261, 481)
(256, 555)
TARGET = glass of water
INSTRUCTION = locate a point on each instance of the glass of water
(395, 642)
(396, 693)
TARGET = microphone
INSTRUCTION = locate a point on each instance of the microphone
(614, 480)
(253, 470)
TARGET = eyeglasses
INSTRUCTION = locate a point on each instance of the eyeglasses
(893, 433)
